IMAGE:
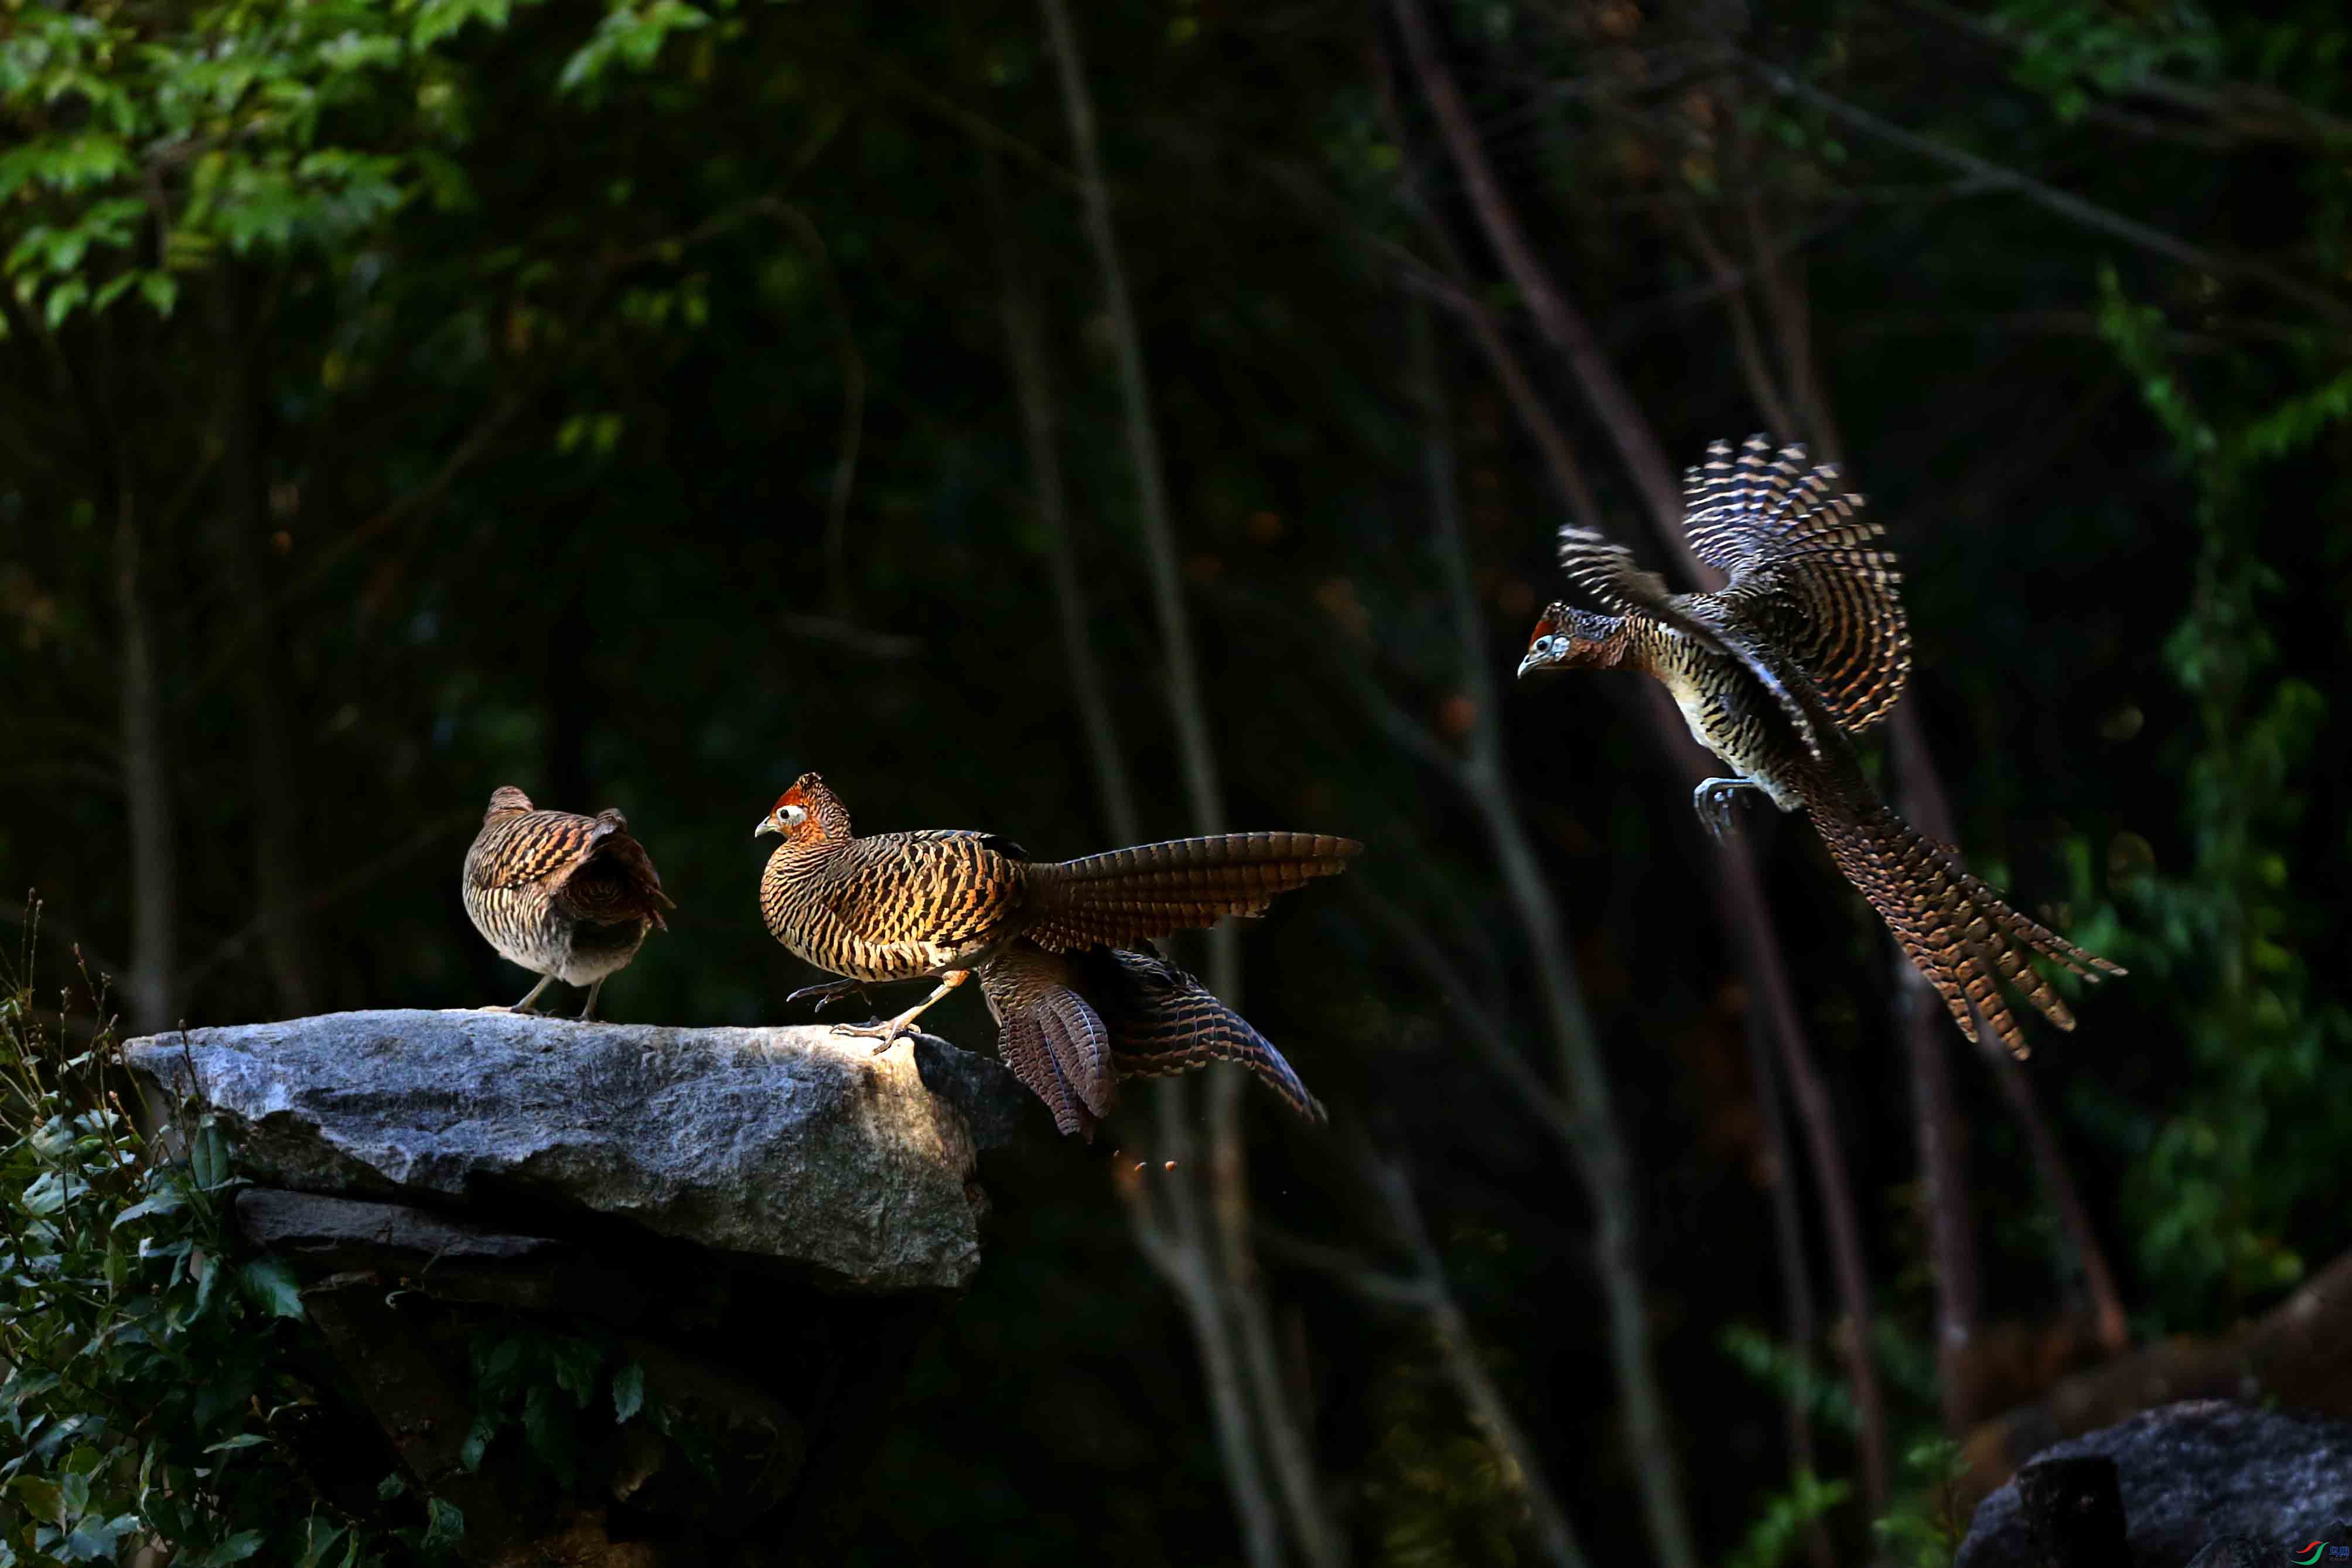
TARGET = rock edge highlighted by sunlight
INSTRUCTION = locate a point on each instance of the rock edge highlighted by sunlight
(785, 1143)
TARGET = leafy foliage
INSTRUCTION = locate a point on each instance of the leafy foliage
(554, 1389)
(2076, 53)
(147, 1368)
(2225, 1173)
(1923, 1529)
(145, 140)
(1772, 1539)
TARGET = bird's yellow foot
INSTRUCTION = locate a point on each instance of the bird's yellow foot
(885, 1033)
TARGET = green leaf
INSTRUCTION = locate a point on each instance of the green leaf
(437, 19)
(576, 1362)
(547, 1430)
(242, 1440)
(208, 1158)
(63, 299)
(236, 1549)
(391, 1486)
(628, 1391)
(113, 291)
(160, 290)
(269, 1283)
(477, 1441)
(168, 1199)
(445, 1522)
(40, 1497)
(94, 1540)
(318, 1541)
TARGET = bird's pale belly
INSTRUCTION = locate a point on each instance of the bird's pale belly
(1720, 707)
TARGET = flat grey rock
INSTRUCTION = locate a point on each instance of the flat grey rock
(276, 1220)
(2198, 1478)
(794, 1144)
(2238, 1551)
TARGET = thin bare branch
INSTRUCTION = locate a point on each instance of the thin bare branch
(1168, 1231)
(2065, 203)
(1602, 1160)
(1744, 341)
(1032, 390)
(1239, 1303)
(1489, 1411)
(231, 947)
(1561, 323)
(853, 405)
(1749, 919)
(1468, 1013)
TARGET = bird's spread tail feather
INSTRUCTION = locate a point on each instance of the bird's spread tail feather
(1163, 1021)
(1130, 896)
(1952, 927)
(1073, 1024)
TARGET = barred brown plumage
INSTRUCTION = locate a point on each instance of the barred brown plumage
(1805, 645)
(568, 897)
(1072, 1025)
(913, 906)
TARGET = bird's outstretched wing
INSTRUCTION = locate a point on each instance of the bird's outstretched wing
(1806, 578)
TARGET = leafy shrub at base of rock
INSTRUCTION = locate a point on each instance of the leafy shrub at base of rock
(150, 1392)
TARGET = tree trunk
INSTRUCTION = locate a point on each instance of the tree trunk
(242, 518)
(152, 984)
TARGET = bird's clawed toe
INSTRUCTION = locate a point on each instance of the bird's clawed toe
(1713, 801)
(827, 993)
(884, 1032)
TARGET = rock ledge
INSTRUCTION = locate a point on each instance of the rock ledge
(791, 1145)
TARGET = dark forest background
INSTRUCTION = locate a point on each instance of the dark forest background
(1101, 426)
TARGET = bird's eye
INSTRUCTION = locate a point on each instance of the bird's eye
(1545, 646)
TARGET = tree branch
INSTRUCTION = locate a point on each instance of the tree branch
(2073, 208)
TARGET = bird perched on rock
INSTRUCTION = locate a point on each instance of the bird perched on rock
(946, 903)
(568, 897)
(1805, 646)
(1072, 1025)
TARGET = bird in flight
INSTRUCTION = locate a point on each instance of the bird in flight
(1803, 648)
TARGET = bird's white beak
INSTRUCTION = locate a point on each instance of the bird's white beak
(767, 825)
